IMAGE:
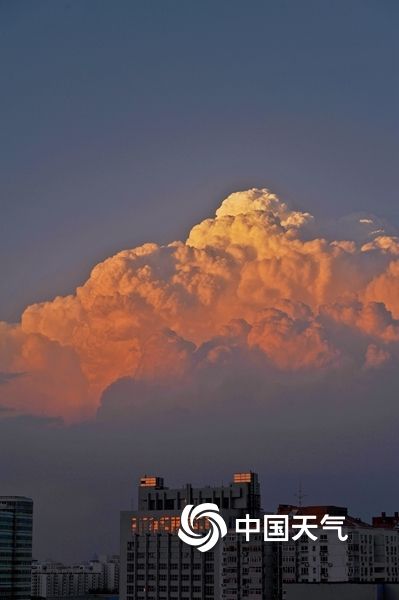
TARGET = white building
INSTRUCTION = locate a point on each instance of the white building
(369, 554)
(51, 579)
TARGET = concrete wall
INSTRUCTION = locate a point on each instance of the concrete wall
(338, 591)
(391, 591)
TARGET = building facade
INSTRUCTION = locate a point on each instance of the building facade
(250, 569)
(369, 555)
(156, 565)
(52, 580)
(16, 518)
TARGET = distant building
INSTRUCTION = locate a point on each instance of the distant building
(369, 555)
(155, 564)
(55, 580)
(16, 515)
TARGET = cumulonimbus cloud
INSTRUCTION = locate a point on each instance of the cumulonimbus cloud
(257, 276)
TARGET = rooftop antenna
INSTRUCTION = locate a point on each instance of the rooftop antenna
(300, 496)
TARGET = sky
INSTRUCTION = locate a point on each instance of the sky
(127, 123)
(274, 320)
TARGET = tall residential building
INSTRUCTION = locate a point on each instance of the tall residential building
(16, 516)
(156, 565)
(53, 580)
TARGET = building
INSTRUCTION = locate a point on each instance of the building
(155, 564)
(52, 580)
(16, 516)
(249, 569)
(111, 568)
(369, 555)
(386, 521)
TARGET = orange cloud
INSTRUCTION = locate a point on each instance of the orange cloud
(385, 288)
(257, 268)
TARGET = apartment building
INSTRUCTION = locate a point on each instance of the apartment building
(369, 555)
(51, 579)
(156, 564)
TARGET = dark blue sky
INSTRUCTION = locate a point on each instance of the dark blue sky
(123, 122)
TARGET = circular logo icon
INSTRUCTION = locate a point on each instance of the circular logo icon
(188, 531)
